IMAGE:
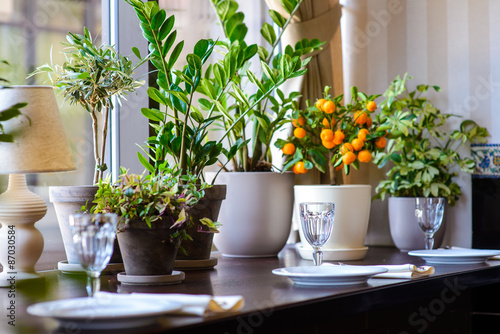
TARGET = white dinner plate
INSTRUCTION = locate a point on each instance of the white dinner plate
(105, 313)
(455, 256)
(329, 275)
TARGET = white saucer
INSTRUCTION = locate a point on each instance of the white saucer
(76, 268)
(107, 313)
(329, 275)
(333, 254)
(195, 264)
(455, 256)
(176, 277)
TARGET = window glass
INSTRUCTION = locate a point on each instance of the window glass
(30, 31)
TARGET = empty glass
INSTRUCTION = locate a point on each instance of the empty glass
(317, 223)
(429, 213)
(93, 237)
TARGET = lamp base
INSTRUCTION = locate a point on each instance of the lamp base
(21, 241)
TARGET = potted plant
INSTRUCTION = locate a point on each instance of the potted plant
(180, 126)
(91, 77)
(334, 135)
(154, 215)
(423, 157)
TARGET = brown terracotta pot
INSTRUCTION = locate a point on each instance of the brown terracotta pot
(209, 206)
(148, 251)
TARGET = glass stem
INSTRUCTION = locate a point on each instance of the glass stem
(317, 256)
(93, 285)
(429, 241)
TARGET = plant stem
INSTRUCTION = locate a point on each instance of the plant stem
(105, 117)
(95, 130)
(333, 177)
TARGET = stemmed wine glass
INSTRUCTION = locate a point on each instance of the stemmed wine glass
(93, 237)
(317, 223)
(429, 212)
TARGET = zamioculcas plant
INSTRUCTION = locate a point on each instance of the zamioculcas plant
(91, 77)
(245, 99)
(180, 126)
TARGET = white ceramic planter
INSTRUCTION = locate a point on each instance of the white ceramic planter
(68, 200)
(256, 215)
(352, 213)
(405, 232)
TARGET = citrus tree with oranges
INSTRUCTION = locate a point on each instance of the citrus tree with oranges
(333, 134)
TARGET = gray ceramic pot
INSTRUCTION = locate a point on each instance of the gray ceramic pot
(148, 250)
(405, 231)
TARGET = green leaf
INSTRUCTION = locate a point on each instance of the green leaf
(277, 18)
(145, 163)
(156, 95)
(256, 81)
(153, 114)
(166, 28)
(158, 19)
(269, 73)
(268, 33)
(175, 54)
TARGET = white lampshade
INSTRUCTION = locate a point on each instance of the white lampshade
(40, 143)
(39, 146)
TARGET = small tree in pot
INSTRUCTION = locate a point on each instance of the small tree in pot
(91, 77)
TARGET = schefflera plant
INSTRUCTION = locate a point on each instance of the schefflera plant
(180, 127)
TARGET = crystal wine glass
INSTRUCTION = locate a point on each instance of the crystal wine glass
(93, 237)
(317, 223)
(429, 213)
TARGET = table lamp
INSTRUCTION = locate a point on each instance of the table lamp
(40, 146)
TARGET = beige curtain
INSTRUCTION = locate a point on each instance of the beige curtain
(316, 19)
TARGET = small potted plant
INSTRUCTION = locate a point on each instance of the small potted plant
(334, 135)
(154, 215)
(423, 157)
(90, 77)
(182, 123)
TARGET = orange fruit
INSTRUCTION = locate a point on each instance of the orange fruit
(348, 158)
(326, 135)
(357, 144)
(299, 168)
(339, 167)
(299, 133)
(328, 144)
(325, 123)
(299, 121)
(288, 149)
(319, 104)
(380, 143)
(362, 134)
(364, 156)
(371, 106)
(347, 147)
(360, 117)
(369, 122)
(328, 107)
(338, 137)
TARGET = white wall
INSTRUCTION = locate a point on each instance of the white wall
(450, 43)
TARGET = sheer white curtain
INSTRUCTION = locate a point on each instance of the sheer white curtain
(453, 44)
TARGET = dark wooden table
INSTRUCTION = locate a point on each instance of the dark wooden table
(456, 299)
